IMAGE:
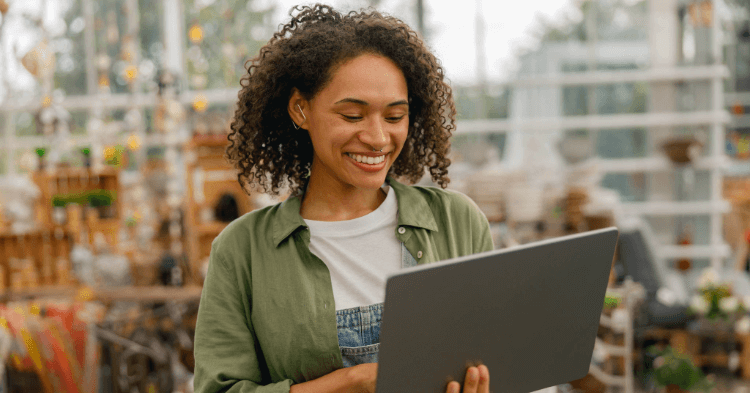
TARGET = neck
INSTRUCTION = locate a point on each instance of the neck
(323, 201)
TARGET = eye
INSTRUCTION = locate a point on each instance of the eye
(395, 119)
(352, 118)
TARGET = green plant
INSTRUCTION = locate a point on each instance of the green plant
(93, 198)
(100, 198)
(675, 368)
(611, 301)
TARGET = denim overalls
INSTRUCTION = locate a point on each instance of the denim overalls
(359, 327)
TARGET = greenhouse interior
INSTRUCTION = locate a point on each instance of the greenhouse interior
(115, 115)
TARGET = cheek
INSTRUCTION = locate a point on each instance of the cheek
(401, 134)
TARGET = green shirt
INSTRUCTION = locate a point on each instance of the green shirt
(267, 318)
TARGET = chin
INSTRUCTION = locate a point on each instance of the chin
(372, 183)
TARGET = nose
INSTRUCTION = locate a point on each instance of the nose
(375, 134)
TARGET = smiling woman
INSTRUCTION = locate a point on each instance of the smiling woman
(303, 57)
(336, 108)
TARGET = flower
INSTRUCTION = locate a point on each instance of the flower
(729, 304)
(699, 304)
(743, 325)
(746, 302)
(659, 361)
(709, 277)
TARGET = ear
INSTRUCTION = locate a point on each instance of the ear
(297, 107)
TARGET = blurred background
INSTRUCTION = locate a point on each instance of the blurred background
(573, 115)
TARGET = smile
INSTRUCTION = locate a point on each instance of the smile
(366, 159)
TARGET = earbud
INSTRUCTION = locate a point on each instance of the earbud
(303, 113)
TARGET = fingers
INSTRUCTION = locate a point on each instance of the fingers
(477, 380)
(471, 382)
(484, 379)
(453, 387)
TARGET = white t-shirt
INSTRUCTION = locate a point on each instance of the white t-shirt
(359, 253)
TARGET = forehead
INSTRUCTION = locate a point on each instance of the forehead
(368, 77)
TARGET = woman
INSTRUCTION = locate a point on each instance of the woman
(334, 108)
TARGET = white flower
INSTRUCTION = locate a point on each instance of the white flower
(620, 319)
(709, 277)
(733, 361)
(743, 325)
(729, 304)
(699, 304)
(666, 296)
(658, 362)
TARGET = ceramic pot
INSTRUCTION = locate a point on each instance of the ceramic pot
(681, 150)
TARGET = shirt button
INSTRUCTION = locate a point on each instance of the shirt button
(325, 304)
(419, 254)
(401, 230)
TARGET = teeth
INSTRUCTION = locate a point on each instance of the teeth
(366, 159)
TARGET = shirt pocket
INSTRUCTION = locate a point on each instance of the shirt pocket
(352, 356)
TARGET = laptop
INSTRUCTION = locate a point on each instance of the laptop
(529, 313)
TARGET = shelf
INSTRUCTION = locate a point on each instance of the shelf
(738, 168)
(211, 229)
(650, 164)
(78, 172)
(699, 251)
(593, 122)
(130, 293)
(40, 292)
(149, 294)
(669, 208)
(209, 141)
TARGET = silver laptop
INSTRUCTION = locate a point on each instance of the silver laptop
(530, 313)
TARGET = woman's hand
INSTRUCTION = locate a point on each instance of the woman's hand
(477, 381)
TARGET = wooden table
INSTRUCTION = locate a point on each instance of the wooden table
(689, 342)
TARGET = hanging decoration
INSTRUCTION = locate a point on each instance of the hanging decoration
(39, 61)
(200, 103)
(196, 34)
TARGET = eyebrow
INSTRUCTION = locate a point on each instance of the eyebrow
(360, 102)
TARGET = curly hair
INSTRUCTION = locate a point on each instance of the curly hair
(269, 152)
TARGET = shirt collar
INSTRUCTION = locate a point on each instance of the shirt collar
(413, 210)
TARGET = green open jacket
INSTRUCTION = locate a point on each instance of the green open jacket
(267, 317)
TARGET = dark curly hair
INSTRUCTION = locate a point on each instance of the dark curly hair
(265, 147)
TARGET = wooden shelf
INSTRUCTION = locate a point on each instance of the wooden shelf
(40, 292)
(212, 228)
(209, 141)
(77, 172)
(149, 294)
(129, 293)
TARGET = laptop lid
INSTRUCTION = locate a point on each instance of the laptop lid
(530, 313)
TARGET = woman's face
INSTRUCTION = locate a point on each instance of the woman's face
(364, 107)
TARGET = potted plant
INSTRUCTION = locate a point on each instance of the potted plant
(102, 201)
(676, 373)
(86, 152)
(40, 151)
(715, 303)
(682, 150)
